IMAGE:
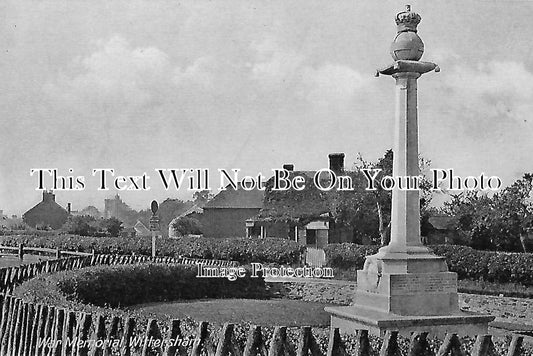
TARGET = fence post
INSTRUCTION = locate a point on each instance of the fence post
(254, 342)
(152, 339)
(278, 344)
(515, 348)
(83, 333)
(26, 335)
(451, 345)
(34, 331)
(200, 339)
(390, 344)
(68, 332)
(129, 328)
(363, 347)
(58, 332)
(58, 253)
(483, 346)
(173, 334)
(112, 335)
(224, 345)
(419, 345)
(99, 334)
(21, 251)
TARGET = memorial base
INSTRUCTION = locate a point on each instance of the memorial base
(407, 288)
(351, 318)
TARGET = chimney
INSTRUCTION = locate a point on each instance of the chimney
(288, 167)
(48, 196)
(336, 162)
(69, 208)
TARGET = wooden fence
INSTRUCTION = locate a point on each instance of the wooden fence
(28, 329)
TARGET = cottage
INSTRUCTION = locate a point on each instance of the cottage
(306, 216)
(225, 215)
(47, 213)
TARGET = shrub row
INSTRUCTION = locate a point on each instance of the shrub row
(126, 285)
(243, 250)
(468, 263)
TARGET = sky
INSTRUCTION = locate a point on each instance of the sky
(141, 85)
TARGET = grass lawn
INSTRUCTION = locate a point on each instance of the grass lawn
(11, 261)
(262, 312)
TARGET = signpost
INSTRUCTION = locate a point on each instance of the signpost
(154, 224)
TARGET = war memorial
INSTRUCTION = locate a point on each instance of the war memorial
(405, 286)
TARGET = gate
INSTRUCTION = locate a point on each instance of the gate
(315, 257)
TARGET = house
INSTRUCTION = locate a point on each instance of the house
(47, 213)
(10, 223)
(306, 216)
(141, 230)
(128, 232)
(225, 215)
(440, 229)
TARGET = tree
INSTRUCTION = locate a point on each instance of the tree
(200, 198)
(187, 226)
(112, 226)
(83, 225)
(379, 201)
(498, 222)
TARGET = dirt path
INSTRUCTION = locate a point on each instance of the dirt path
(505, 309)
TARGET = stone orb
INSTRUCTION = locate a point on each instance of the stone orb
(407, 46)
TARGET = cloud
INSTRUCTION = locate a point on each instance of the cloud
(333, 83)
(281, 69)
(114, 77)
(494, 90)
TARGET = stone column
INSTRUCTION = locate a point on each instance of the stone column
(405, 217)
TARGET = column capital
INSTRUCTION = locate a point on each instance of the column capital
(405, 66)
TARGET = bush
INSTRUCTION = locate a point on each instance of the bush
(126, 285)
(243, 250)
(348, 255)
(468, 263)
(491, 266)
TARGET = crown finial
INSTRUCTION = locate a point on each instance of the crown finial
(407, 20)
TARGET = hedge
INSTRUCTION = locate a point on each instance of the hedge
(468, 263)
(243, 250)
(126, 285)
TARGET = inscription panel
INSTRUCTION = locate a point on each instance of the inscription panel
(417, 283)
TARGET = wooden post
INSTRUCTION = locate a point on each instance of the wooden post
(419, 345)
(363, 347)
(278, 343)
(112, 335)
(152, 339)
(515, 349)
(14, 335)
(48, 327)
(26, 336)
(450, 346)
(254, 342)
(200, 339)
(83, 333)
(21, 251)
(483, 346)
(59, 324)
(174, 334)
(99, 334)
(390, 344)
(129, 329)
(43, 316)
(226, 343)
(68, 332)
(34, 332)
(4, 325)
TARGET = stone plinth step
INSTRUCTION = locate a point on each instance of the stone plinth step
(353, 318)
